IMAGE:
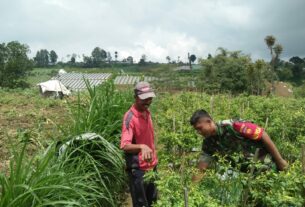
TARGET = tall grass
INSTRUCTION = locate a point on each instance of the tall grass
(88, 173)
(102, 113)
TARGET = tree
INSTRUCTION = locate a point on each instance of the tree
(168, 59)
(296, 60)
(98, 56)
(285, 74)
(88, 62)
(257, 73)
(193, 58)
(278, 49)
(116, 55)
(14, 64)
(42, 58)
(270, 40)
(109, 58)
(143, 60)
(53, 57)
(130, 59)
(275, 52)
(225, 72)
(222, 51)
(297, 67)
(73, 59)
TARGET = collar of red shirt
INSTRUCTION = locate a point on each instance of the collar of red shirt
(138, 113)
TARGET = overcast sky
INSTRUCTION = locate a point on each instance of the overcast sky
(156, 28)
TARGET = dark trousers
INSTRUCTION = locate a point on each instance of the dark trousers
(143, 194)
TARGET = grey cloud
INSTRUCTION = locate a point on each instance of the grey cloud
(157, 28)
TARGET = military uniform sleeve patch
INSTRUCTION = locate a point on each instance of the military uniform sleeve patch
(248, 130)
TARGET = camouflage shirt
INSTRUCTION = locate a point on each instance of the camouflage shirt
(233, 137)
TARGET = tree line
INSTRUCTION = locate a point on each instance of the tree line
(233, 71)
(226, 71)
(98, 58)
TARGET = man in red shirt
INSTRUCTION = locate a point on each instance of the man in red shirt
(137, 141)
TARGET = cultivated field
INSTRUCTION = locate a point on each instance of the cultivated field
(33, 128)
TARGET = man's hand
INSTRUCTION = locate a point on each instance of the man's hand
(271, 148)
(147, 153)
(197, 178)
(282, 165)
(202, 166)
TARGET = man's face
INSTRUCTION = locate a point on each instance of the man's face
(143, 104)
(205, 127)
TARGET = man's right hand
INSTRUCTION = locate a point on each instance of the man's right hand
(282, 165)
(197, 178)
(147, 153)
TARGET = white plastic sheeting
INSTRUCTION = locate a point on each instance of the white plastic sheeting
(53, 86)
(61, 71)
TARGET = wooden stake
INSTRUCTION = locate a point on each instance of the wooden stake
(186, 202)
(266, 123)
(211, 104)
(174, 124)
(303, 158)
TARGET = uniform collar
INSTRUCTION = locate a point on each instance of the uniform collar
(138, 113)
(219, 129)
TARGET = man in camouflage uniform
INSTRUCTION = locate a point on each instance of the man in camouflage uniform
(233, 136)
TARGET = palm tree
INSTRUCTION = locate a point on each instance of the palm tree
(270, 40)
(278, 49)
(168, 59)
(192, 58)
(222, 51)
(116, 55)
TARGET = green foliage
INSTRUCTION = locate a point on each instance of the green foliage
(53, 57)
(285, 73)
(299, 92)
(226, 71)
(219, 187)
(81, 177)
(42, 58)
(98, 56)
(257, 74)
(193, 58)
(297, 68)
(234, 72)
(84, 175)
(14, 64)
(102, 113)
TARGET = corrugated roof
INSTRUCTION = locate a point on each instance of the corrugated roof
(131, 80)
(76, 81)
